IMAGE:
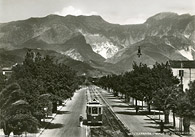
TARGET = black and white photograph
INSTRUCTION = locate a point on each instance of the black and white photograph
(97, 68)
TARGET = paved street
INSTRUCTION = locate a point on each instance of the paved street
(67, 123)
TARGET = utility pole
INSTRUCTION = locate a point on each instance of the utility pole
(181, 74)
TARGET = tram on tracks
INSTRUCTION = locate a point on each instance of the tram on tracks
(94, 112)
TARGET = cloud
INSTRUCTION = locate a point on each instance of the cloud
(70, 10)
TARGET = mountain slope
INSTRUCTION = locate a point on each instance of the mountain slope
(11, 57)
(102, 45)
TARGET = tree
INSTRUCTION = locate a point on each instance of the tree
(2, 81)
(165, 99)
(39, 75)
(142, 83)
(164, 86)
(186, 106)
(15, 114)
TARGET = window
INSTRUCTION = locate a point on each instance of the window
(94, 110)
(89, 110)
(99, 110)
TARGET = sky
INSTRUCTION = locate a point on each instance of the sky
(113, 11)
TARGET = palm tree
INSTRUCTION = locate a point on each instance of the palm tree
(15, 111)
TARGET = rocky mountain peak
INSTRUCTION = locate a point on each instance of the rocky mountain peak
(163, 36)
(164, 15)
(91, 18)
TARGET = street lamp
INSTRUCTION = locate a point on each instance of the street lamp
(45, 112)
(139, 52)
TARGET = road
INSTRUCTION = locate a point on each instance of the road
(67, 123)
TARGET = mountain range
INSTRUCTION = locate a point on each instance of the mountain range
(98, 46)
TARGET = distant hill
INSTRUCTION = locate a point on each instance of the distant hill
(101, 45)
(11, 57)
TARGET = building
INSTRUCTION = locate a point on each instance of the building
(7, 71)
(184, 70)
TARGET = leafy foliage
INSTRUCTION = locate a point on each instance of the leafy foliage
(39, 75)
(143, 83)
(39, 83)
(15, 111)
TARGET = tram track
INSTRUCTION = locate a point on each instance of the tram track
(123, 127)
(110, 120)
(106, 107)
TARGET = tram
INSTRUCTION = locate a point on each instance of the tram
(94, 112)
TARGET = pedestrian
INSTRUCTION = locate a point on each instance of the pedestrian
(81, 120)
(161, 126)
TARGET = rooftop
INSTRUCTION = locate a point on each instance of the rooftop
(6, 69)
(182, 63)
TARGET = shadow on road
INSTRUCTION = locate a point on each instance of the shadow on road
(49, 117)
(48, 125)
(63, 112)
(155, 127)
(120, 106)
(151, 119)
(134, 113)
(112, 98)
(118, 101)
(54, 125)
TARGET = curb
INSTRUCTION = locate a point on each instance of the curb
(123, 125)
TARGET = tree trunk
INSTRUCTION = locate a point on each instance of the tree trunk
(54, 109)
(186, 125)
(149, 107)
(60, 102)
(6, 130)
(128, 98)
(121, 95)
(115, 93)
(136, 102)
(136, 107)
(125, 97)
(173, 119)
(166, 113)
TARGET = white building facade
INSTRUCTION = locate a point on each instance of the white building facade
(188, 68)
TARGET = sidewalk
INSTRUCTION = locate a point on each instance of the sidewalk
(48, 120)
(65, 122)
(51, 118)
(120, 108)
(177, 119)
(156, 117)
(140, 125)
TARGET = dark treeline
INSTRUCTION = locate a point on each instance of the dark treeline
(34, 90)
(157, 87)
